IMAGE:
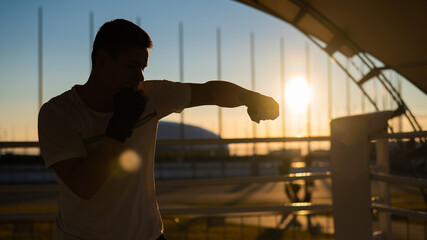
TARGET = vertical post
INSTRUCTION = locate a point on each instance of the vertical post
(91, 26)
(399, 89)
(347, 85)
(253, 85)
(307, 75)
(383, 166)
(282, 89)
(383, 94)
(40, 15)
(329, 88)
(218, 47)
(267, 135)
(219, 76)
(254, 162)
(351, 186)
(27, 138)
(374, 91)
(362, 95)
(242, 229)
(181, 71)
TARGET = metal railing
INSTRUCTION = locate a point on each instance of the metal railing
(381, 176)
(200, 212)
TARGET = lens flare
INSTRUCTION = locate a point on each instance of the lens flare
(130, 161)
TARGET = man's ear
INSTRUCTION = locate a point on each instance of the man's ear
(101, 57)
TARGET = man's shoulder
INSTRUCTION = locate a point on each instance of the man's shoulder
(63, 97)
(60, 102)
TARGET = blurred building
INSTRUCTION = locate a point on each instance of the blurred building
(172, 130)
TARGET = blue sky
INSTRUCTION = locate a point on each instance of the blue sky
(66, 59)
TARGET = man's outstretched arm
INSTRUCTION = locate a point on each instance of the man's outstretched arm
(226, 94)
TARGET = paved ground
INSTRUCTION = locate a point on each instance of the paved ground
(269, 193)
(263, 193)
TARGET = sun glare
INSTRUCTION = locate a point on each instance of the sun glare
(297, 93)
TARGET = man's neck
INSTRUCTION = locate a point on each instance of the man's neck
(95, 95)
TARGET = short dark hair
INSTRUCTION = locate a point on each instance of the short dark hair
(117, 36)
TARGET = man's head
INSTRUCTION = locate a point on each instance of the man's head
(120, 54)
(117, 36)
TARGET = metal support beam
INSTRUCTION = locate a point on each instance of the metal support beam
(303, 10)
(373, 73)
(334, 45)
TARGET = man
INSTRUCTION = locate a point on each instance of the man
(99, 137)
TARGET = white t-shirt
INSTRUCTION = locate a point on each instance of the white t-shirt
(125, 207)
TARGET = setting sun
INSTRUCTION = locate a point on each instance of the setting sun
(297, 93)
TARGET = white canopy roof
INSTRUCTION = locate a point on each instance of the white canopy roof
(393, 31)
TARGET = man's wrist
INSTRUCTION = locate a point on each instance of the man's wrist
(248, 97)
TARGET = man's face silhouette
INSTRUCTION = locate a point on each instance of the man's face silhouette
(126, 70)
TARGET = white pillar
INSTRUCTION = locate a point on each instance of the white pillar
(351, 187)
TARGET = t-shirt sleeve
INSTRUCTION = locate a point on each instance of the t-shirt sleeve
(167, 96)
(58, 140)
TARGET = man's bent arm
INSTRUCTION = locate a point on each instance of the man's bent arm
(84, 176)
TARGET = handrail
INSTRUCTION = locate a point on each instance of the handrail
(212, 141)
(190, 182)
(180, 142)
(300, 208)
(19, 145)
(195, 141)
(394, 179)
(400, 211)
(242, 180)
(217, 210)
(402, 135)
(389, 178)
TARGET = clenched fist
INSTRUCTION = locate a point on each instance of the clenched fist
(260, 107)
(128, 106)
